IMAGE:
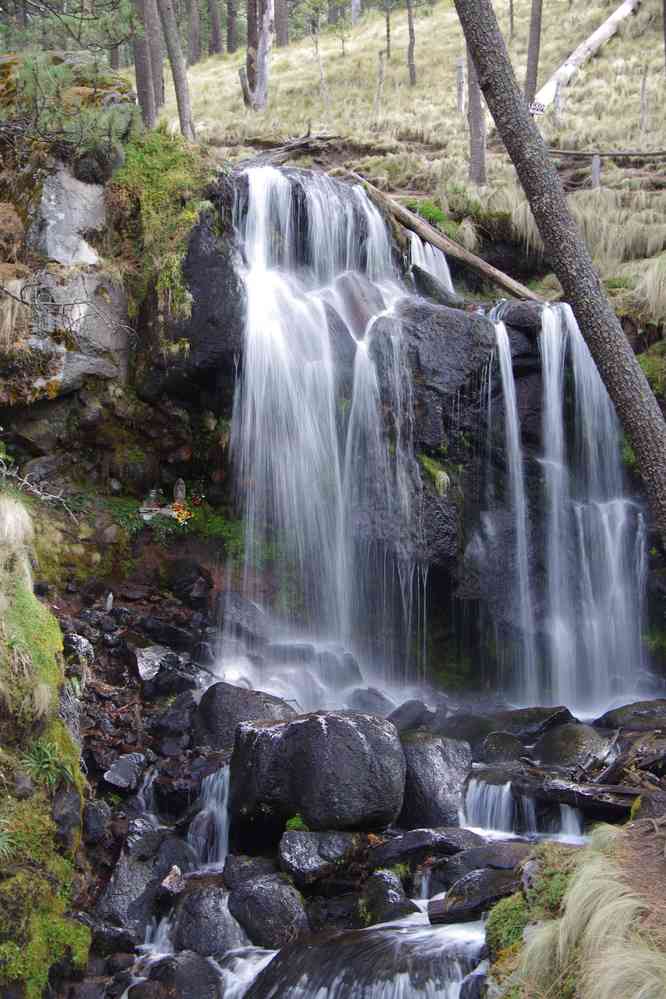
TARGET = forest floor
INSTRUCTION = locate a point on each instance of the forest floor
(413, 142)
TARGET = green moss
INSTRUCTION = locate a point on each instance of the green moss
(32, 625)
(364, 913)
(506, 923)
(401, 871)
(653, 363)
(437, 475)
(153, 202)
(433, 214)
(296, 824)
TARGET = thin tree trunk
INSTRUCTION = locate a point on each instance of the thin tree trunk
(252, 43)
(627, 386)
(356, 10)
(644, 100)
(387, 18)
(663, 14)
(380, 87)
(178, 67)
(333, 12)
(477, 126)
(411, 64)
(154, 37)
(512, 27)
(533, 48)
(281, 23)
(142, 68)
(114, 57)
(266, 35)
(215, 46)
(194, 33)
(232, 22)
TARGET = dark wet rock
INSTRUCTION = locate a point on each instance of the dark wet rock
(244, 619)
(384, 899)
(108, 939)
(595, 801)
(310, 856)
(88, 989)
(239, 868)
(78, 651)
(119, 962)
(166, 633)
(570, 745)
(340, 912)
(66, 813)
(651, 804)
(529, 724)
(473, 986)
(286, 653)
(120, 982)
(431, 287)
(338, 770)
(203, 923)
(338, 671)
(176, 720)
(411, 715)
(437, 769)
(495, 856)
(501, 747)
(370, 701)
(189, 581)
(472, 895)
(223, 706)
(270, 910)
(642, 716)
(23, 786)
(126, 771)
(185, 976)
(417, 844)
(465, 727)
(524, 316)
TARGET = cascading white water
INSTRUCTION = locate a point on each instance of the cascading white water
(595, 534)
(494, 809)
(208, 834)
(527, 679)
(430, 259)
(318, 274)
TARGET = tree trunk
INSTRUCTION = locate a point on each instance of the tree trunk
(281, 23)
(232, 21)
(380, 86)
(114, 57)
(215, 46)
(178, 67)
(142, 68)
(533, 47)
(460, 85)
(585, 51)
(663, 13)
(154, 38)
(627, 386)
(194, 33)
(512, 27)
(411, 64)
(477, 126)
(387, 18)
(356, 10)
(333, 12)
(266, 34)
(252, 43)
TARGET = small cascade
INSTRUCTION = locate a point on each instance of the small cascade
(209, 831)
(571, 821)
(495, 809)
(430, 259)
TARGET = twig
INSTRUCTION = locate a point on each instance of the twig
(25, 484)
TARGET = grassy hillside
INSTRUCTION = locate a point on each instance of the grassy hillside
(415, 142)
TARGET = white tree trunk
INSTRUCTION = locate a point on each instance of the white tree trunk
(266, 34)
(584, 52)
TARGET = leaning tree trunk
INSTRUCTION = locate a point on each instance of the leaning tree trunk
(178, 67)
(154, 37)
(260, 32)
(281, 23)
(194, 33)
(355, 10)
(232, 26)
(411, 65)
(387, 19)
(215, 46)
(477, 125)
(533, 47)
(252, 13)
(627, 386)
(142, 68)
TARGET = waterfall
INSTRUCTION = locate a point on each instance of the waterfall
(322, 461)
(528, 677)
(494, 808)
(430, 259)
(488, 806)
(595, 534)
(209, 832)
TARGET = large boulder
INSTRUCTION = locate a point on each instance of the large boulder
(68, 211)
(437, 769)
(311, 856)
(223, 706)
(337, 770)
(494, 856)
(570, 745)
(182, 976)
(203, 923)
(501, 747)
(417, 844)
(270, 910)
(472, 895)
(384, 899)
(642, 716)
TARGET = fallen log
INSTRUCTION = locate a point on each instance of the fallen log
(562, 76)
(296, 147)
(423, 229)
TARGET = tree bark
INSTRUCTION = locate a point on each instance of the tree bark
(533, 48)
(477, 126)
(178, 67)
(215, 46)
(232, 26)
(387, 19)
(281, 23)
(333, 12)
(411, 64)
(266, 35)
(627, 386)
(154, 38)
(663, 14)
(585, 51)
(252, 13)
(142, 68)
(512, 28)
(194, 33)
(114, 57)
